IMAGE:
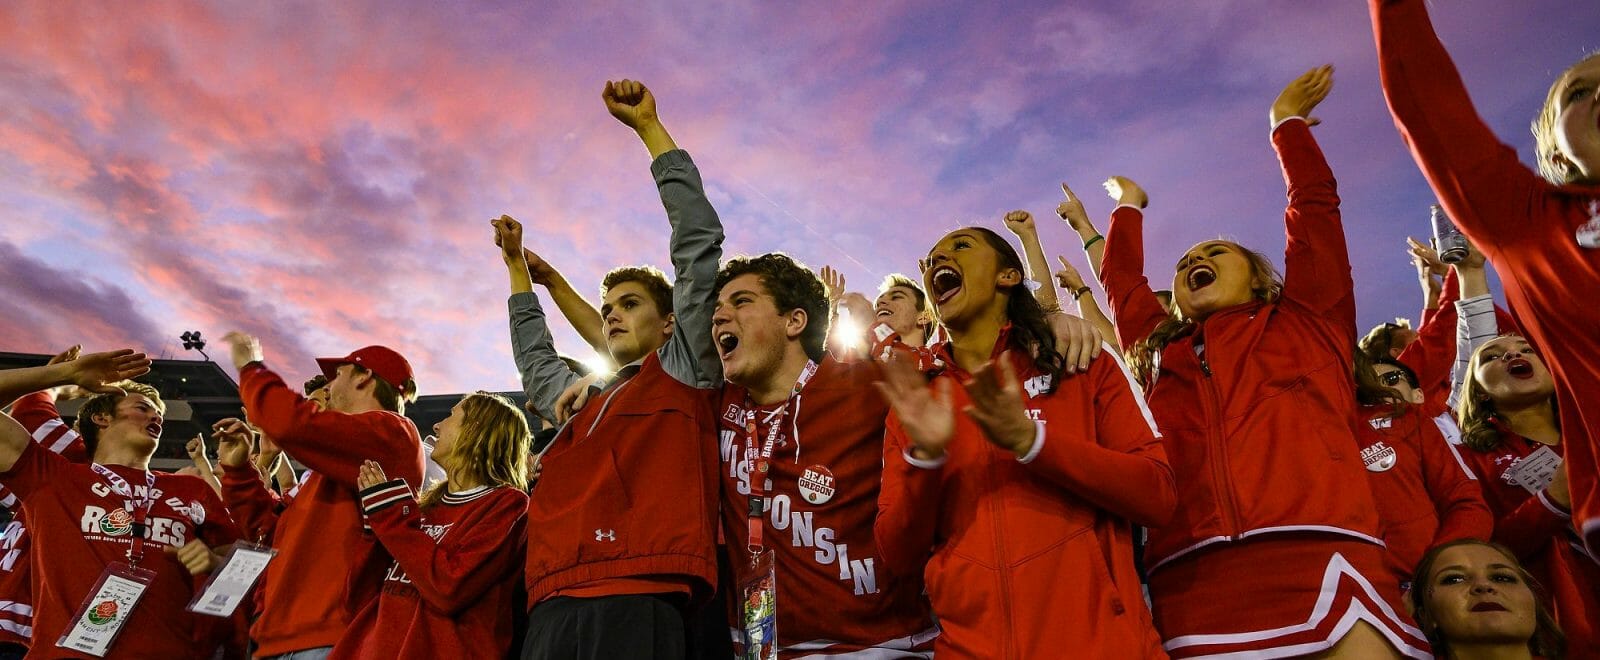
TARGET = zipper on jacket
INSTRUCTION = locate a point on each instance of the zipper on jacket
(1219, 462)
(997, 507)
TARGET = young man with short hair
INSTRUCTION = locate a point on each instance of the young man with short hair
(88, 520)
(621, 526)
(325, 567)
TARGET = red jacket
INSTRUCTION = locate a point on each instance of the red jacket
(1540, 533)
(36, 412)
(1544, 240)
(448, 592)
(324, 569)
(1425, 493)
(590, 524)
(1258, 428)
(1028, 558)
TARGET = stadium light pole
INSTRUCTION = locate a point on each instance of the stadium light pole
(192, 341)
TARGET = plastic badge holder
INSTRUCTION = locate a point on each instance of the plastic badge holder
(229, 585)
(109, 605)
(758, 610)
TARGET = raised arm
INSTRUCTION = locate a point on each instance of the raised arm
(544, 374)
(1133, 304)
(1094, 244)
(1476, 321)
(1021, 223)
(254, 506)
(579, 312)
(1088, 307)
(1480, 182)
(94, 372)
(696, 243)
(1316, 261)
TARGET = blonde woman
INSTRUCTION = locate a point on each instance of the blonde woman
(457, 548)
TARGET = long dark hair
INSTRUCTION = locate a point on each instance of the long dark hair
(1030, 330)
(1547, 642)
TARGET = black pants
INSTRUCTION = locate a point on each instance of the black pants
(643, 627)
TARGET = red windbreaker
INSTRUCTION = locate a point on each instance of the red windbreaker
(324, 569)
(1543, 239)
(1028, 558)
(1257, 429)
(448, 592)
(1425, 493)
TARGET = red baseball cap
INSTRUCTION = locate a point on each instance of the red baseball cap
(381, 360)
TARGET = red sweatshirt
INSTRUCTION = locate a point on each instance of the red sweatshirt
(1544, 240)
(37, 413)
(324, 570)
(834, 596)
(1425, 493)
(1257, 428)
(1014, 548)
(448, 592)
(1540, 533)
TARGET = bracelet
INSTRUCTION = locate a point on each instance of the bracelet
(1079, 293)
(1095, 239)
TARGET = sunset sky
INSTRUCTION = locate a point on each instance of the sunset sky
(322, 173)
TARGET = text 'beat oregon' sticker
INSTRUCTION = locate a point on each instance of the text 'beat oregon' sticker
(816, 485)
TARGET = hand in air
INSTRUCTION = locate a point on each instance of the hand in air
(1020, 223)
(243, 348)
(508, 237)
(1072, 211)
(1126, 192)
(630, 102)
(234, 438)
(832, 283)
(1303, 95)
(96, 372)
(928, 417)
(1068, 276)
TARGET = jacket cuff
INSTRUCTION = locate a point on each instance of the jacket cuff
(675, 159)
(1286, 120)
(384, 495)
(1552, 506)
(1038, 444)
(922, 464)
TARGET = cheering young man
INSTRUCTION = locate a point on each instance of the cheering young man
(112, 517)
(324, 569)
(621, 527)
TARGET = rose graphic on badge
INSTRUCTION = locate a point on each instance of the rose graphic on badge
(103, 613)
(117, 522)
(816, 485)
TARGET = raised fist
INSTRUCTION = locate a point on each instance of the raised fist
(508, 237)
(1125, 191)
(1303, 95)
(630, 102)
(1020, 223)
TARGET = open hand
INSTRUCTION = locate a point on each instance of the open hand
(574, 398)
(1302, 96)
(1077, 340)
(630, 102)
(370, 474)
(928, 417)
(997, 406)
(96, 372)
(1125, 191)
(832, 283)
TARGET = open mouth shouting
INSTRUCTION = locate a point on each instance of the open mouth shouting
(1200, 277)
(154, 429)
(944, 284)
(727, 342)
(1520, 368)
(1489, 606)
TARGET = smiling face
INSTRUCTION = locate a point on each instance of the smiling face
(964, 275)
(1474, 594)
(1510, 374)
(897, 307)
(1569, 128)
(634, 325)
(1212, 276)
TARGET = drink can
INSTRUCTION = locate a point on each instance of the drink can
(1449, 241)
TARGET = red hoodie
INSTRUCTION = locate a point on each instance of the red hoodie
(1543, 239)
(1257, 427)
(325, 569)
(1014, 548)
(1425, 493)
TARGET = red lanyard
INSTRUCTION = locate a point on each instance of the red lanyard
(763, 461)
(140, 511)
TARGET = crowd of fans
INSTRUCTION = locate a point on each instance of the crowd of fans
(1225, 467)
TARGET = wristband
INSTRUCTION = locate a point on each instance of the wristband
(1092, 240)
(1079, 292)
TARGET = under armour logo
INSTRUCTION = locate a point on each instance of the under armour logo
(605, 535)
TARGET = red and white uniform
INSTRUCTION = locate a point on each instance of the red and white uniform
(1540, 533)
(325, 569)
(37, 413)
(448, 592)
(1026, 558)
(1425, 493)
(833, 597)
(79, 524)
(1544, 240)
(1255, 409)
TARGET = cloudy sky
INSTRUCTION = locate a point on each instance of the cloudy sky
(322, 174)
